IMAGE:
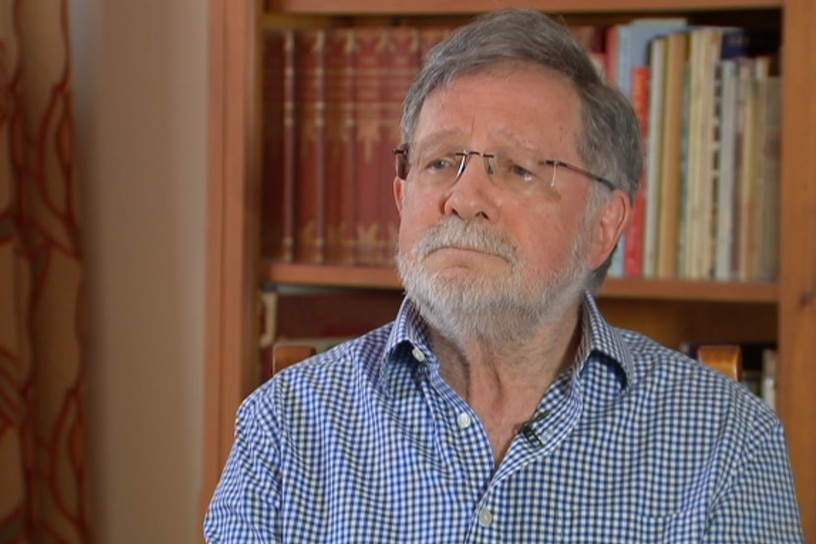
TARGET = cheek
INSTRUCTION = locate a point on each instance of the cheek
(416, 217)
(546, 238)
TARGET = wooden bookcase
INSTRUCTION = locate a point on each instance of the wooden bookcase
(669, 310)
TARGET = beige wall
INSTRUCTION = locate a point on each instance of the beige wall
(140, 80)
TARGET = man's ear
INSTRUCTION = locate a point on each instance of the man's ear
(610, 224)
(399, 192)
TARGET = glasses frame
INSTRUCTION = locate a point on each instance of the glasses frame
(401, 156)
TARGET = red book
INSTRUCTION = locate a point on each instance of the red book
(633, 258)
(371, 69)
(403, 64)
(311, 164)
(290, 157)
(340, 146)
(277, 144)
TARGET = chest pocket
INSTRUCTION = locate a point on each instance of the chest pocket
(609, 525)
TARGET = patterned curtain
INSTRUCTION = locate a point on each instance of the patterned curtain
(43, 468)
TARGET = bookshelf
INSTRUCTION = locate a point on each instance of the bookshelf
(670, 310)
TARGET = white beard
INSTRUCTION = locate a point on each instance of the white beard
(506, 309)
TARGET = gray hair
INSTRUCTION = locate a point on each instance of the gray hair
(609, 142)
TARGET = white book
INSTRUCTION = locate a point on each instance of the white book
(726, 172)
(654, 145)
(767, 386)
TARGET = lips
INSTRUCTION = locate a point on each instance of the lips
(464, 236)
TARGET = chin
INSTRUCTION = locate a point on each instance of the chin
(460, 301)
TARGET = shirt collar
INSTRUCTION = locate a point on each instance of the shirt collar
(602, 340)
(599, 340)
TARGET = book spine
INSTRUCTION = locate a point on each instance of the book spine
(657, 53)
(371, 69)
(771, 156)
(633, 266)
(744, 99)
(340, 150)
(311, 185)
(289, 147)
(403, 63)
(671, 156)
(724, 231)
(273, 57)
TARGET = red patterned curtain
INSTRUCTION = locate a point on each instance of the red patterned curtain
(43, 468)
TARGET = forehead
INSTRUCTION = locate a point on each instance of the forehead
(519, 104)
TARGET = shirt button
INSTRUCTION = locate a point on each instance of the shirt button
(485, 518)
(418, 355)
(464, 421)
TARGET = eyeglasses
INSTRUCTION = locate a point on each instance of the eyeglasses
(514, 169)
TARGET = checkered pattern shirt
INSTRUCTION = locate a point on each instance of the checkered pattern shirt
(367, 443)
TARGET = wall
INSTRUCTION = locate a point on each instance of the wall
(140, 81)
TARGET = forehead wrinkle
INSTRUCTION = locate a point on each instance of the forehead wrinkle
(440, 136)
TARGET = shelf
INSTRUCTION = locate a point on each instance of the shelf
(368, 7)
(334, 276)
(627, 288)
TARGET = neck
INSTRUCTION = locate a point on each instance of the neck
(504, 383)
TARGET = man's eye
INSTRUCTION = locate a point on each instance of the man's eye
(441, 164)
(521, 172)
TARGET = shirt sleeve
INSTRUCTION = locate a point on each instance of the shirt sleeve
(760, 503)
(244, 508)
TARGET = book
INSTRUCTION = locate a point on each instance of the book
(272, 58)
(310, 237)
(370, 69)
(633, 262)
(742, 167)
(676, 53)
(698, 182)
(726, 75)
(629, 46)
(403, 53)
(766, 265)
(768, 381)
(277, 144)
(657, 53)
(751, 180)
(290, 107)
(340, 153)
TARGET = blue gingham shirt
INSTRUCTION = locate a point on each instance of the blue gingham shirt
(367, 443)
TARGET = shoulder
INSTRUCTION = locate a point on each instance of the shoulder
(330, 375)
(668, 380)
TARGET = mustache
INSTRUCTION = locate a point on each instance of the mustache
(466, 235)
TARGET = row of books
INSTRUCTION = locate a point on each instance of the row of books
(709, 106)
(332, 102)
(710, 109)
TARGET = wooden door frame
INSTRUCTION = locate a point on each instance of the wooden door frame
(797, 247)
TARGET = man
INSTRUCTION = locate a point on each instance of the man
(499, 406)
